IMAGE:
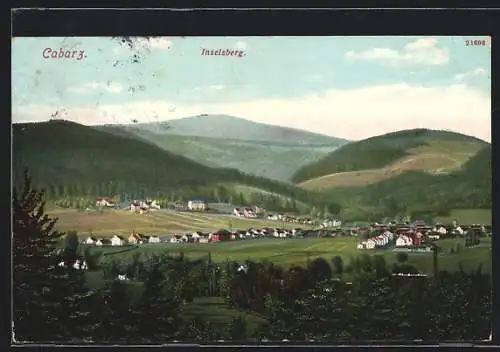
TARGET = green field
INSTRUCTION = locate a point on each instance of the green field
(288, 252)
(467, 216)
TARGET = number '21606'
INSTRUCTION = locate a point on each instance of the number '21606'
(475, 42)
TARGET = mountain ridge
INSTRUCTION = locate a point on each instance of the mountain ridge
(231, 127)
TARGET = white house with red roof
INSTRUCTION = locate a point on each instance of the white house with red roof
(104, 202)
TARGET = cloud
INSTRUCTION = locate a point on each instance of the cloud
(217, 87)
(423, 51)
(477, 72)
(241, 45)
(352, 114)
(314, 77)
(96, 87)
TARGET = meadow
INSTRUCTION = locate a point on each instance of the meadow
(122, 222)
(290, 252)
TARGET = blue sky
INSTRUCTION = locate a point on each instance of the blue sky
(350, 87)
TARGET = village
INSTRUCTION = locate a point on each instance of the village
(386, 235)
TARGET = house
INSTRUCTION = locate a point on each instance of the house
(80, 265)
(117, 240)
(440, 230)
(137, 207)
(91, 240)
(370, 244)
(197, 205)
(176, 239)
(196, 236)
(458, 231)
(152, 204)
(404, 241)
(103, 242)
(154, 239)
(138, 238)
(249, 212)
(361, 245)
(104, 202)
(134, 238)
(122, 277)
(272, 217)
(238, 212)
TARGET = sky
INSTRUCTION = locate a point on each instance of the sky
(346, 87)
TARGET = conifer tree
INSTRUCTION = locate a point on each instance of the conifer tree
(48, 299)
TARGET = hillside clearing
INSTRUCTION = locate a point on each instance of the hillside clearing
(437, 157)
(431, 155)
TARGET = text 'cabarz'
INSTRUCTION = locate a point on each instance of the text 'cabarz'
(62, 53)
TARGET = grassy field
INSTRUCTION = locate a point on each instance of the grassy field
(436, 157)
(112, 222)
(467, 216)
(290, 252)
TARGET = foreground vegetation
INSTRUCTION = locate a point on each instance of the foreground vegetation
(316, 302)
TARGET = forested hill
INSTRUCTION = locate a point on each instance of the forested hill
(70, 158)
(380, 151)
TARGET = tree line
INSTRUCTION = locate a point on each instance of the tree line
(83, 196)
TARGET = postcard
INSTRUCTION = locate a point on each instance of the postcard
(251, 189)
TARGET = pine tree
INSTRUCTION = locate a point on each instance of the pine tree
(48, 299)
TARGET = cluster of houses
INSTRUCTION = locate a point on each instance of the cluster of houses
(117, 240)
(135, 206)
(196, 237)
(143, 206)
(291, 219)
(197, 205)
(104, 202)
(245, 212)
(413, 235)
(78, 265)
